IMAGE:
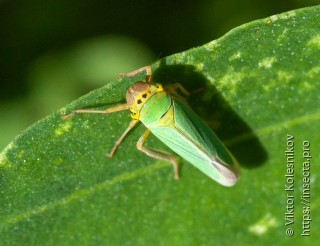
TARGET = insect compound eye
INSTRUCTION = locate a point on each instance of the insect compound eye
(140, 86)
(129, 98)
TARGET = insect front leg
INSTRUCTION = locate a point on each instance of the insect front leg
(174, 87)
(117, 143)
(137, 71)
(116, 108)
(158, 154)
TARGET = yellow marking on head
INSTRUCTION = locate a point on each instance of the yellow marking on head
(138, 94)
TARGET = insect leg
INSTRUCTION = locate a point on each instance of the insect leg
(119, 107)
(137, 71)
(176, 86)
(158, 154)
(117, 143)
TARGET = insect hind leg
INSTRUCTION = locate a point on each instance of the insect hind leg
(158, 154)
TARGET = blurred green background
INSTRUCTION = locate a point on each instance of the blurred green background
(54, 51)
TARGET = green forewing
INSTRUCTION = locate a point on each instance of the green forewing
(194, 141)
(190, 123)
(185, 148)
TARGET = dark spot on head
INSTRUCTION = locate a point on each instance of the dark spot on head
(144, 95)
(139, 101)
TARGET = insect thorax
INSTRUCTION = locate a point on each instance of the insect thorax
(138, 94)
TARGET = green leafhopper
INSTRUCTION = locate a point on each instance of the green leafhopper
(164, 113)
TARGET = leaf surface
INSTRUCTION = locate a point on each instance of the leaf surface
(257, 86)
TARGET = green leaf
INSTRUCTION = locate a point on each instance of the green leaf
(260, 85)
